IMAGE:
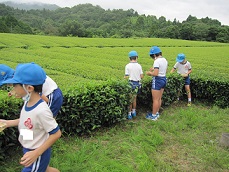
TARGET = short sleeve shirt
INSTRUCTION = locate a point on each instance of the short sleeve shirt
(37, 120)
(182, 68)
(49, 86)
(162, 64)
(134, 71)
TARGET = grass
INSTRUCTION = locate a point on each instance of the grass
(183, 139)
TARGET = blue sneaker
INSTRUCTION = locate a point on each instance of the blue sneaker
(134, 114)
(151, 117)
(148, 115)
(129, 116)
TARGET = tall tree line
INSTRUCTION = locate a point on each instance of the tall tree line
(86, 20)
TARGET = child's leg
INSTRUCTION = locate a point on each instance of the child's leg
(130, 107)
(160, 101)
(156, 94)
(134, 102)
(187, 89)
(51, 169)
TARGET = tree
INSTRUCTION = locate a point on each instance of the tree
(139, 23)
(191, 19)
(212, 33)
(72, 28)
(200, 31)
(3, 27)
(223, 35)
(172, 31)
(186, 31)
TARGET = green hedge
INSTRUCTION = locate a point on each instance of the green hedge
(213, 91)
(95, 105)
(9, 109)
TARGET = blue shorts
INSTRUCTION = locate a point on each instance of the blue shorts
(55, 101)
(187, 81)
(135, 85)
(41, 164)
(158, 83)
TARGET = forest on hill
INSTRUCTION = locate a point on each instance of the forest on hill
(87, 20)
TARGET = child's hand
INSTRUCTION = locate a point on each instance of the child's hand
(10, 93)
(3, 124)
(151, 69)
(148, 73)
(184, 75)
(13, 93)
(29, 158)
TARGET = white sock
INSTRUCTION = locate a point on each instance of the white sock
(133, 110)
(189, 99)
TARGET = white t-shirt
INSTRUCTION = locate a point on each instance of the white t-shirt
(38, 121)
(49, 86)
(134, 71)
(161, 64)
(182, 68)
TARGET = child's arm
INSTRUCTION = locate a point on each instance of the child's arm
(152, 73)
(44, 98)
(173, 70)
(189, 71)
(10, 123)
(31, 156)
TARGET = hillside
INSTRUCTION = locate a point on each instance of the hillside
(31, 5)
(87, 20)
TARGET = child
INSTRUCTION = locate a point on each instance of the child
(133, 71)
(184, 68)
(51, 94)
(158, 73)
(5, 73)
(37, 128)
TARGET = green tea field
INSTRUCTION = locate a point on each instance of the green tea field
(71, 61)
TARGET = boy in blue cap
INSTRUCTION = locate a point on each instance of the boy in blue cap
(184, 68)
(37, 128)
(133, 71)
(5, 73)
(158, 73)
(51, 93)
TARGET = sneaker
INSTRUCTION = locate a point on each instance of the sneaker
(129, 116)
(133, 114)
(148, 115)
(189, 104)
(158, 115)
(154, 117)
(151, 117)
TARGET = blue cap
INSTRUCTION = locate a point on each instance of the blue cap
(180, 58)
(133, 54)
(5, 73)
(154, 50)
(29, 74)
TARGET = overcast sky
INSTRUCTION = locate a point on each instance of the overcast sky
(170, 9)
